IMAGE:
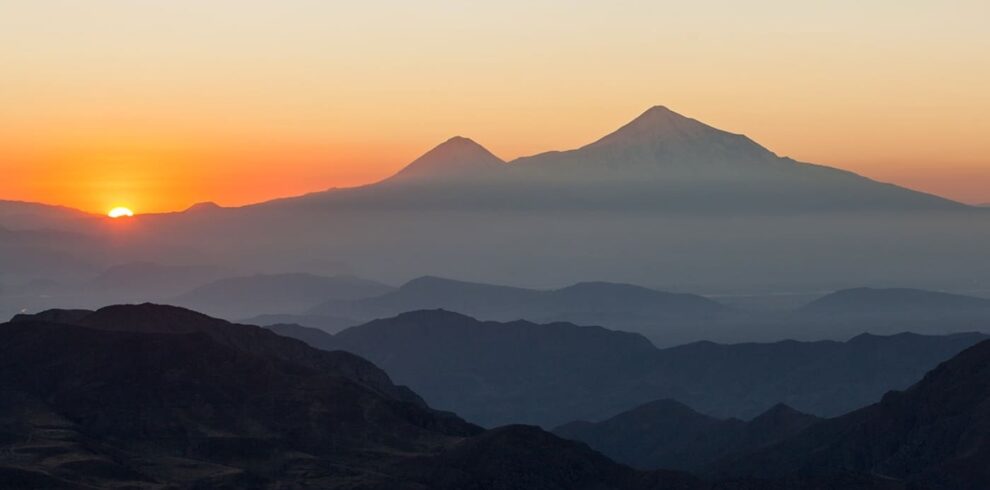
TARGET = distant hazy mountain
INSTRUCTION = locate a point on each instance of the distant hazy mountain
(621, 306)
(667, 161)
(669, 319)
(884, 311)
(935, 434)
(667, 434)
(48, 254)
(326, 324)
(19, 215)
(241, 297)
(909, 301)
(521, 372)
(659, 162)
(664, 201)
(149, 397)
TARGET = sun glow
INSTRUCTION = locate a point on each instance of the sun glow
(120, 212)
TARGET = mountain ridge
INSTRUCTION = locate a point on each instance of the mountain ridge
(148, 396)
(670, 435)
(548, 374)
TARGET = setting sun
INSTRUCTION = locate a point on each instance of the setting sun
(120, 212)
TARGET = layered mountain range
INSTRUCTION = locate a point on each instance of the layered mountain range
(669, 319)
(154, 397)
(147, 396)
(931, 435)
(335, 302)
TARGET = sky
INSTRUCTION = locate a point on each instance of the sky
(159, 104)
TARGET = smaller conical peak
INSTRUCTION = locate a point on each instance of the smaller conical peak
(457, 147)
(458, 156)
(203, 206)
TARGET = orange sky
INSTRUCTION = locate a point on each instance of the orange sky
(158, 104)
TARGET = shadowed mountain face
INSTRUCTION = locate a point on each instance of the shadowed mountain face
(668, 434)
(154, 397)
(936, 433)
(521, 372)
(149, 395)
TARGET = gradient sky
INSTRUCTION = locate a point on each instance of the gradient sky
(157, 104)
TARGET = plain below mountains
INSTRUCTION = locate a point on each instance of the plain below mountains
(495, 373)
(247, 296)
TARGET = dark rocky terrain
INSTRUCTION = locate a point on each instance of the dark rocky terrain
(154, 397)
(935, 434)
(160, 397)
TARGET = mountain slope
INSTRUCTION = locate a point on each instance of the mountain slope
(665, 160)
(667, 434)
(936, 433)
(157, 394)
